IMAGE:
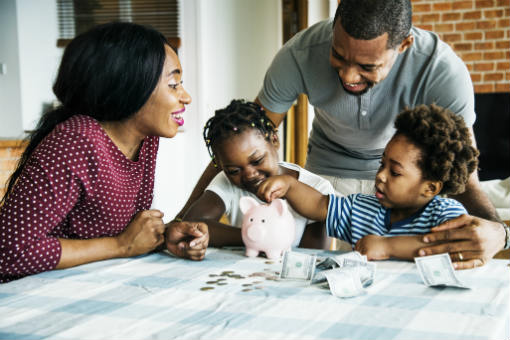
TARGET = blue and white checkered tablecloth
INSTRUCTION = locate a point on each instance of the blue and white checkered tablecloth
(158, 296)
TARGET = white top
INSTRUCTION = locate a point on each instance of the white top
(230, 194)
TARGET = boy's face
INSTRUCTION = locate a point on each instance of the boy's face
(248, 159)
(399, 183)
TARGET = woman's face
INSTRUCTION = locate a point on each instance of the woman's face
(163, 113)
(248, 159)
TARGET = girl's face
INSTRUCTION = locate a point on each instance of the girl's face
(163, 113)
(248, 159)
(399, 183)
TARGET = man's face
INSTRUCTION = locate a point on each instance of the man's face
(361, 63)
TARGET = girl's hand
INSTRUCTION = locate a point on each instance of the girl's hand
(187, 239)
(274, 187)
(375, 247)
(143, 234)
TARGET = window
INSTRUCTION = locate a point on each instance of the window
(77, 16)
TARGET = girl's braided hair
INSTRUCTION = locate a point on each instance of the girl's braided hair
(236, 118)
(447, 154)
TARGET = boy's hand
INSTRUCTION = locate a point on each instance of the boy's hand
(187, 239)
(274, 187)
(375, 247)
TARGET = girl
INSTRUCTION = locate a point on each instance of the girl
(243, 142)
(430, 154)
(83, 187)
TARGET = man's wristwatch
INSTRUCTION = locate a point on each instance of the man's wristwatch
(507, 234)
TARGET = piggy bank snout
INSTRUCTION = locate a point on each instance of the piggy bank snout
(255, 233)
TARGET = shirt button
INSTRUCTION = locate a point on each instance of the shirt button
(363, 113)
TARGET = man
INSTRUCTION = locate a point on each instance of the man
(359, 71)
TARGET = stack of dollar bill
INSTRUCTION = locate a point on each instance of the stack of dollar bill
(345, 275)
(437, 270)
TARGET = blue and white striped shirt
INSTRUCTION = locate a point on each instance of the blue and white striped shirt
(352, 217)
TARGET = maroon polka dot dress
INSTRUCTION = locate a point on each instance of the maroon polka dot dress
(77, 184)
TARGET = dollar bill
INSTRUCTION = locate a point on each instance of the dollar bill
(298, 266)
(345, 282)
(366, 270)
(437, 270)
(338, 260)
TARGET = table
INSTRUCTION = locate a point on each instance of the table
(158, 296)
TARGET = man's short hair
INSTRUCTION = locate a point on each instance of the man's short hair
(369, 19)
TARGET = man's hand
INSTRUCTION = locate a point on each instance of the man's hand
(375, 247)
(187, 239)
(471, 241)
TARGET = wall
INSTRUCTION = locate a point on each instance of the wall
(10, 98)
(38, 56)
(227, 45)
(478, 31)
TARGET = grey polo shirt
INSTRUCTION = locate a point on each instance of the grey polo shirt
(349, 132)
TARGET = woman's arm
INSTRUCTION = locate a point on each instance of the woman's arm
(143, 234)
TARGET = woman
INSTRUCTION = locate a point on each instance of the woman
(83, 187)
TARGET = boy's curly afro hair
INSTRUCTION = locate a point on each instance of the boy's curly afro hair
(447, 154)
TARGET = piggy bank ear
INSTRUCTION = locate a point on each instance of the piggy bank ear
(280, 205)
(246, 203)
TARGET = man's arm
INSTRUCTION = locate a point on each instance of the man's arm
(478, 236)
(276, 118)
(473, 198)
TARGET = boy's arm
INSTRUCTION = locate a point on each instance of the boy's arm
(381, 247)
(307, 201)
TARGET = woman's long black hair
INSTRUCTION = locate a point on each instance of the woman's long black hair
(107, 73)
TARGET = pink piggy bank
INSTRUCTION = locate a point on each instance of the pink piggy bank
(268, 228)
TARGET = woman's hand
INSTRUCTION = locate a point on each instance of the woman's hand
(471, 241)
(143, 234)
(375, 247)
(187, 239)
(274, 187)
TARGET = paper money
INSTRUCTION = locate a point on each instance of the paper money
(366, 270)
(298, 266)
(345, 282)
(338, 260)
(437, 270)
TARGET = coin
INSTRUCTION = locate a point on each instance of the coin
(269, 262)
(222, 283)
(206, 288)
(246, 290)
(211, 282)
(246, 284)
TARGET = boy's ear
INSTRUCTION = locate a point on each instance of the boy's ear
(432, 188)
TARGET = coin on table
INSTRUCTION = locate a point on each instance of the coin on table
(206, 288)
